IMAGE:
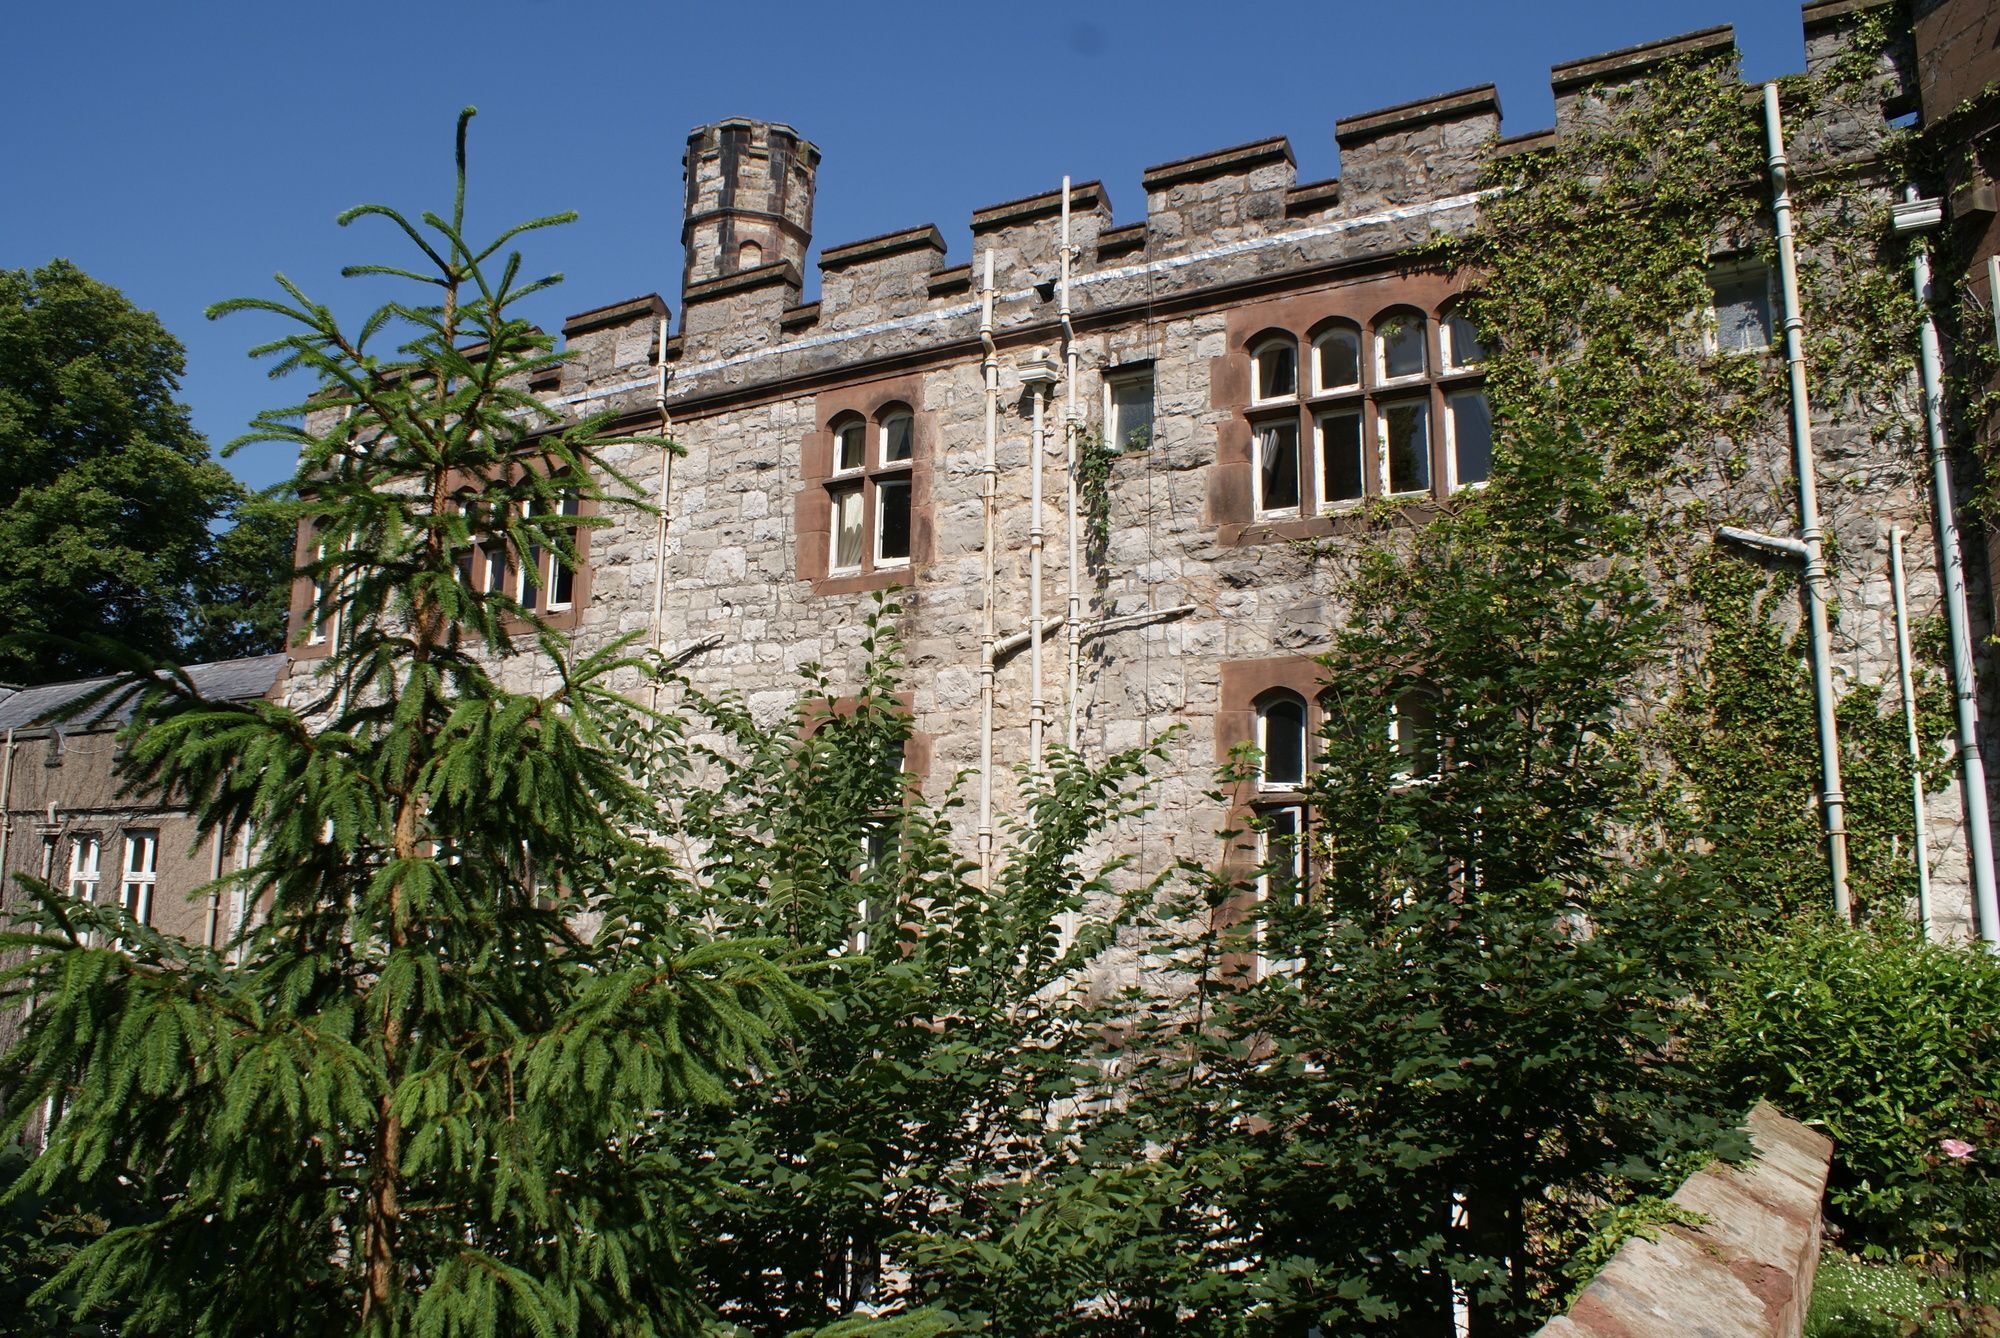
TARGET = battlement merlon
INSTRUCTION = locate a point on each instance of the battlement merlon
(1419, 150)
(1025, 234)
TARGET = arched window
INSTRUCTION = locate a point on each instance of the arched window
(1468, 419)
(1413, 728)
(1401, 341)
(1378, 410)
(561, 583)
(1281, 741)
(749, 255)
(1274, 369)
(1337, 360)
(1459, 341)
(869, 493)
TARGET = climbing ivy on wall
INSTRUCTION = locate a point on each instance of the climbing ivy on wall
(1602, 335)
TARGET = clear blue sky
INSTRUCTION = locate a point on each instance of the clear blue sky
(185, 152)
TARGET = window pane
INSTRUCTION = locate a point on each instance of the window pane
(847, 527)
(1340, 457)
(1283, 850)
(1339, 360)
(1402, 346)
(1406, 443)
(1277, 371)
(892, 519)
(1284, 744)
(850, 446)
(1742, 310)
(1471, 436)
(1132, 413)
(1462, 346)
(1415, 726)
(1278, 467)
(896, 438)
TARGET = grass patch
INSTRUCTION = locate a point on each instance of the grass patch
(1853, 1298)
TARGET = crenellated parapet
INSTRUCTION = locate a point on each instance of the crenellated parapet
(1212, 220)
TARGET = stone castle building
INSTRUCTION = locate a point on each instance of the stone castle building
(1262, 352)
(1259, 347)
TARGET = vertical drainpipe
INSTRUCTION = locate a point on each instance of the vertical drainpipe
(1915, 216)
(214, 917)
(660, 524)
(6, 801)
(990, 365)
(1038, 443)
(1899, 588)
(1817, 579)
(1073, 622)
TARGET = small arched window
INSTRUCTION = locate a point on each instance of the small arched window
(1281, 741)
(1413, 729)
(1459, 341)
(749, 255)
(1274, 369)
(1337, 360)
(869, 494)
(897, 427)
(1400, 339)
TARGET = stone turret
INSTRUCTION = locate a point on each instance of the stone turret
(749, 199)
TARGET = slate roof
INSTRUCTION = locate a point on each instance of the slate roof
(221, 680)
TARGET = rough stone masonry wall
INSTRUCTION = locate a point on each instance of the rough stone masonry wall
(1222, 231)
(1747, 1272)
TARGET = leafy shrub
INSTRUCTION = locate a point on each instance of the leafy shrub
(1884, 1041)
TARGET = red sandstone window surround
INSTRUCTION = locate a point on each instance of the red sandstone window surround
(557, 591)
(1374, 389)
(863, 510)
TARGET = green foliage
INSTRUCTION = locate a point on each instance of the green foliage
(1882, 1039)
(1094, 458)
(107, 493)
(902, 1118)
(1460, 1048)
(418, 1098)
(244, 590)
(1741, 727)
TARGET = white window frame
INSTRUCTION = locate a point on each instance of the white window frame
(325, 630)
(1406, 773)
(141, 874)
(1266, 967)
(1357, 409)
(1448, 346)
(527, 590)
(1257, 431)
(840, 432)
(86, 866)
(1382, 377)
(1451, 435)
(857, 485)
(570, 507)
(908, 482)
(1258, 352)
(1326, 336)
(882, 440)
(1276, 698)
(1387, 480)
(1117, 436)
(1711, 326)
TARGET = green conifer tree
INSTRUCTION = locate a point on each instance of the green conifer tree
(417, 1098)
